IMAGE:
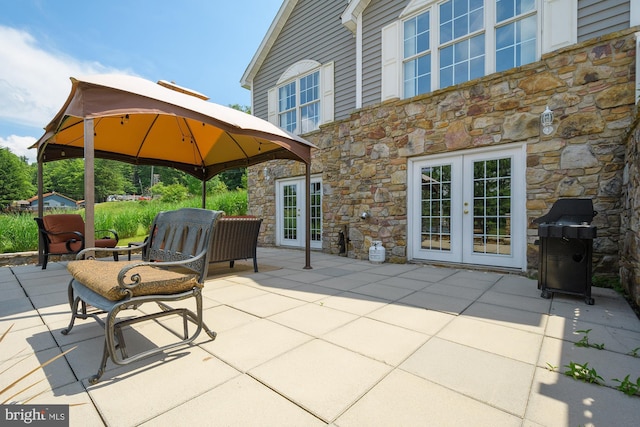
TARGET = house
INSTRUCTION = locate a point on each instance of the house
(52, 201)
(427, 115)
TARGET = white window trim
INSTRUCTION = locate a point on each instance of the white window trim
(295, 72)
(551, 15)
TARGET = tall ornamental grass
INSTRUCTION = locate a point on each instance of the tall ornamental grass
(131, 220)
(18, 233)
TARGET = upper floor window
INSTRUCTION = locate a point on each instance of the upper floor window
(516, 31)
(417, 55)
(462, 41)
(303, 98)
(299, 104)
(455, 41)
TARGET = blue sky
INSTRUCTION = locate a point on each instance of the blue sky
(204, 45)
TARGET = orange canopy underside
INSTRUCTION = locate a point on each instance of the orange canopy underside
(140, 122)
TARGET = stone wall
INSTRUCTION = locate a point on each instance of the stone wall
(630, 223)
(363, 160)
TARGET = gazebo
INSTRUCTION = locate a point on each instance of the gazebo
(134, 120)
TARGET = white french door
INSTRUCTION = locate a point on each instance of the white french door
(469, 208)
(290, 212)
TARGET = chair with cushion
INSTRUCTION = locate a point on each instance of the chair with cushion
(173, 268)
(63, 234)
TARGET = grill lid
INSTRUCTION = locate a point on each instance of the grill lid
(569, 211)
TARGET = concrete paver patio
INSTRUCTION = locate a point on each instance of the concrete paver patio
(348, 343)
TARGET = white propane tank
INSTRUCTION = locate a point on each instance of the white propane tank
(376, 252)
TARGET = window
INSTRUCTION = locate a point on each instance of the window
(309, 102)
(417, 62)
(462, 41)
(299, 111)
(303, 98)
(287, 107)
(472, 38)
(516, 31)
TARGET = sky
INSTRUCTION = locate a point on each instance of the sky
(204, 45)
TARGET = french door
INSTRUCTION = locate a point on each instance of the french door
(290, 212)
(469, 208)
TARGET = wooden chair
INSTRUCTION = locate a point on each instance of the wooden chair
(173, 268)
(63, 234)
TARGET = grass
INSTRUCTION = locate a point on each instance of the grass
(131, 219)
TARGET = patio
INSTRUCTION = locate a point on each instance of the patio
(348, 343)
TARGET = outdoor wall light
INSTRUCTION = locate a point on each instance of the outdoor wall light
(546, 120)
(365, 215)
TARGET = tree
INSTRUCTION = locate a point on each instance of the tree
(67, 177)
(15, 178)
(243, 108)
(111, 177)
(234, 178)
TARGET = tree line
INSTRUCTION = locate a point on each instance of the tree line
(18, 179)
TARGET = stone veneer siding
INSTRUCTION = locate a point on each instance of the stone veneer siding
(630, 224)
(363, 159)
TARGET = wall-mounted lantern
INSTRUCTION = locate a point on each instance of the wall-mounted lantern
(546, 120)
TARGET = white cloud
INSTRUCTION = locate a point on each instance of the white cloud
(34, 83)
(19, 145)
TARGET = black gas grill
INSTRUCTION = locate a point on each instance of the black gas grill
(566, 248)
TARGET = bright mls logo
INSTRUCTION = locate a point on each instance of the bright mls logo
(35, 415)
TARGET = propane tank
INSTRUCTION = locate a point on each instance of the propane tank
(377, 252)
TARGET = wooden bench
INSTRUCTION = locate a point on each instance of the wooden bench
(235, 238)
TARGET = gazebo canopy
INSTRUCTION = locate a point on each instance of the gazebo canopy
(141, 122)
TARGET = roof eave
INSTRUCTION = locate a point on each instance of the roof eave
(350, 15)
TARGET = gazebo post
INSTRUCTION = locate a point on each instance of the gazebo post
(204, 193)
(89, 184)
(307, 250)
(40, 174)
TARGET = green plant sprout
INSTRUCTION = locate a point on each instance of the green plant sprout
(628, 387)
(634, 352)
(584, 341)
(583, 373)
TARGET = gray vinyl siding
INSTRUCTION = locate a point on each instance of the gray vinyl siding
(599, 17)
(313, 31)
(377, 15)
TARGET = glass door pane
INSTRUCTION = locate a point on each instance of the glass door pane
(290, 212)
(316, 212)
(436, 208)
(492, 206)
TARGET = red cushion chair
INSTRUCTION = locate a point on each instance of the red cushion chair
(64, 234)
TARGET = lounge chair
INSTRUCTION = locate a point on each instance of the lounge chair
(173, 268)
(63, 234)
